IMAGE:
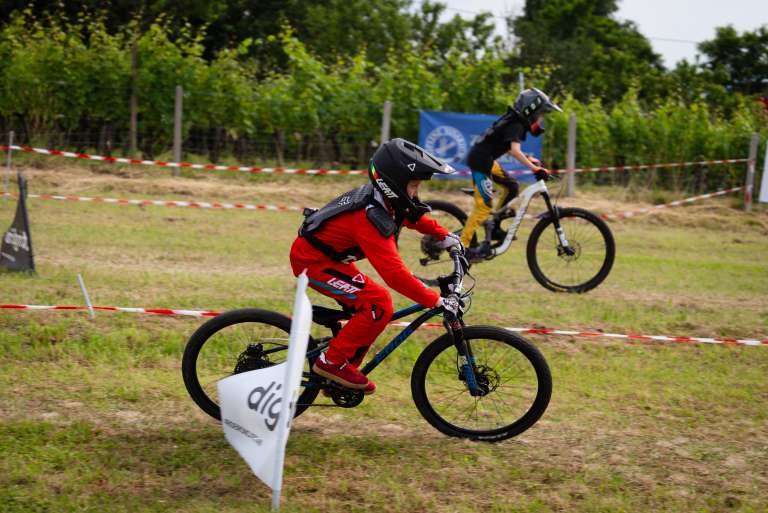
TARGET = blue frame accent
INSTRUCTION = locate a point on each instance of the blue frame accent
(402, 336)
(408, 310)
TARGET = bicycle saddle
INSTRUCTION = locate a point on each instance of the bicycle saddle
(328, 317)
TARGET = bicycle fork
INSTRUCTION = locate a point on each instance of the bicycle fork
(467, 365)
(563, 248)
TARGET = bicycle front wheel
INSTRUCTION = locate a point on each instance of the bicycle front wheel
(234, 342)
(514, 378)
(580, 267)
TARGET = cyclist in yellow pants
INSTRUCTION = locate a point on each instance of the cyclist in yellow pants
(505, 135)
(484, 193)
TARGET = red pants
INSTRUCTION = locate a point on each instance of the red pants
(372, 304)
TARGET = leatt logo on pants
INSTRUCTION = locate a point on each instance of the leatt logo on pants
(342, 286)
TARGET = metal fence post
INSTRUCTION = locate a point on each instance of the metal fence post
(8, 163)
(134, 123)
(521, 80)
(570, 165)
(751, 162)
(386, 120)
(177, 115)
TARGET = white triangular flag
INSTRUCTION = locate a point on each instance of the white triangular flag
(257, 406)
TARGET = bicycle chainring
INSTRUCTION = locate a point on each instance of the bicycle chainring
(345, 397)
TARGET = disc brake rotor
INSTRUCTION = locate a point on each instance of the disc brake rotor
(571, 253)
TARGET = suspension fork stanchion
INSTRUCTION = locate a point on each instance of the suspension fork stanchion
(551, 208)
(468, 367)
(454, 324)
(553, 211)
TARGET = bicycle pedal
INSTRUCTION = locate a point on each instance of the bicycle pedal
(507, 214)
(344, 397)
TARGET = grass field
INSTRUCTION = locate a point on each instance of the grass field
(94, 415)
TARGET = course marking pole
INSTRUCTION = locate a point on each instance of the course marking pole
(85, 295)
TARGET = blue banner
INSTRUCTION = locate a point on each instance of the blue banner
(450, 135)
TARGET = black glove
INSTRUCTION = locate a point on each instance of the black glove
(542, 174)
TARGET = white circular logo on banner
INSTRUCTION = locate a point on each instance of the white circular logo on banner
(446, 143)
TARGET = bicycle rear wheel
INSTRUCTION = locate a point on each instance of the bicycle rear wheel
(512, 373)
(580, 267)
(234, 342)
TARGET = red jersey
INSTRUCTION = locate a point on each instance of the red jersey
(354, 229)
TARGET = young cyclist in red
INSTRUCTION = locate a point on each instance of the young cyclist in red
(362, 223)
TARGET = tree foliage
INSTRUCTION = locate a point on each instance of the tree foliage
(66, 79)
(593, 55)
(738, 61)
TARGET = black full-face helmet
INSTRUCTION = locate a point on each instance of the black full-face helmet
(530, 105)
(396, 163)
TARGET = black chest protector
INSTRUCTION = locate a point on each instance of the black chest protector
(493, 136)
(362, 197)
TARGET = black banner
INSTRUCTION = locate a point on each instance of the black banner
(16, 247)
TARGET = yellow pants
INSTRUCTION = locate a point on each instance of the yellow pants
(484, 193)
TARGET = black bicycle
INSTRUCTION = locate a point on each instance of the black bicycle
(569, 249)
(477, 382)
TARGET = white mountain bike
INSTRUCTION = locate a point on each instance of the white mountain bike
(569, 249)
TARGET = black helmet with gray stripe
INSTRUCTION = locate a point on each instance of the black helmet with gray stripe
(531, 103)
(396, 163)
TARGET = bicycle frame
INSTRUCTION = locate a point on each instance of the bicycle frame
(453, 325)
(465, 352)
(399, 339)
(402, 336)
(539, 187)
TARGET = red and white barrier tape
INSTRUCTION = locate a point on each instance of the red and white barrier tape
(294, 208)
(655, 208)
(186, 165)
(162, 203)
(638, 167)
(291, 171)
(536, 331)
(176, 203)
(157, 311)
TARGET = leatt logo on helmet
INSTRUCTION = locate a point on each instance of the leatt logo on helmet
(385, 188)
